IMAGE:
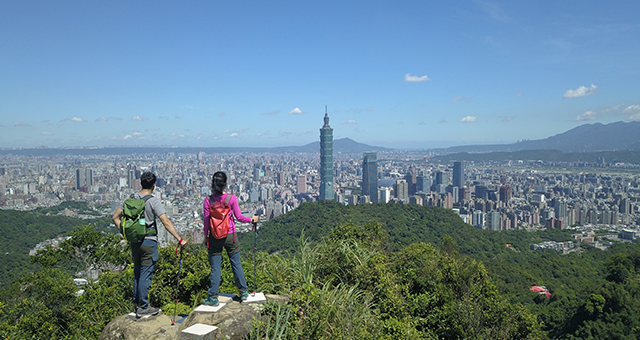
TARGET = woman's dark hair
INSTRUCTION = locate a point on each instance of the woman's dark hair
(218, 182)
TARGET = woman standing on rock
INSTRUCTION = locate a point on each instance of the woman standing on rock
(230, 242)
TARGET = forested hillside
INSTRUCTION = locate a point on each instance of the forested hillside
(379, 271)
(405, 224)
(20, 231)
(574, 280)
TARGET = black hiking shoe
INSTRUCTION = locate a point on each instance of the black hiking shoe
(149, 311)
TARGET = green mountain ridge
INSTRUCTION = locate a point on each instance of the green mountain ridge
(402, 271)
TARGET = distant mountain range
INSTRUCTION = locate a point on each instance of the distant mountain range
(617, 136)
(342, 145)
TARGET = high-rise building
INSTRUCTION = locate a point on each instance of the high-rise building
(560, 209)
(301, 184)
(458, 174)
(402, 190)
(477, 219)
(505, 193)
(370, 176)
(423, 184)
(385, 195)
(280, 178)
(442, 178)
(493, 220)
(84, 178)
(80, 180)
(326, 160)
(411, 178)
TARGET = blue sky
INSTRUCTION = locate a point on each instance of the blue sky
(404, 74)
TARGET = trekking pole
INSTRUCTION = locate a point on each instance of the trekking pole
(255, 247)
(175, 308)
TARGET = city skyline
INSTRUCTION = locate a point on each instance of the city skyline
(399, 75)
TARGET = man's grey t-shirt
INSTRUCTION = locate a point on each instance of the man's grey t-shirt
(152, 210)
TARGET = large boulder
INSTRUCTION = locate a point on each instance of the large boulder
(234, 321)
(129, 328)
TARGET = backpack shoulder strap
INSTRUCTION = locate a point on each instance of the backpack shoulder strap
(146, 198)
(227, 199)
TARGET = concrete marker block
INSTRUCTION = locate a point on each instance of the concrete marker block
(256, 298)
(209, 309)
(199, 331)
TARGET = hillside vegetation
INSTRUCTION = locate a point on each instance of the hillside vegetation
(379, 271)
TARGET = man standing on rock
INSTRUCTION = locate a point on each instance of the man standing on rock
(145, 253)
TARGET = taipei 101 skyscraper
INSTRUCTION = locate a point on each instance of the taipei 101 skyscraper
(326, 160)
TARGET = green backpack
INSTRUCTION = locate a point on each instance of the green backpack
(134, 227)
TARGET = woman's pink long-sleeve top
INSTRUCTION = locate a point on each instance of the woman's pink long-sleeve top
(235, 209)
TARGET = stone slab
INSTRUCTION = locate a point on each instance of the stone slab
(199, 331)
(209, 309)
(255, 298)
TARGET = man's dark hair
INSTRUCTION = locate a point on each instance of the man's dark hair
(147, 180)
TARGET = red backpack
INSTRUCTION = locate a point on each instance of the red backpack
(219, 217)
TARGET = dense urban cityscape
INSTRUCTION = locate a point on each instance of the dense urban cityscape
(503, 196)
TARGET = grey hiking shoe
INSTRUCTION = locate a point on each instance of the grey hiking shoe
(142, 312)
(211, 301)
(244, 294)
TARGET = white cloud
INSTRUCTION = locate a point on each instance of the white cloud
(19, 124)
(137, 133)
(468, 119)
(350, 122)
(296, 111)
(271, 113)
(494, 10)
(369, 109)
(221, 114)
(414, 79)
(127, 137)
(178, 117)
(505, 119)
(104, 119)
(635, 117)
(455, 99)
(45, 133)
(139, 118)
(77, 119)
(519, 94)
(581, 91)
(233, 134)
(588, 115)
(632, 108)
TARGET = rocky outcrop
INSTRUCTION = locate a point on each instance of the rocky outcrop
(129, 328)
(234, 321)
